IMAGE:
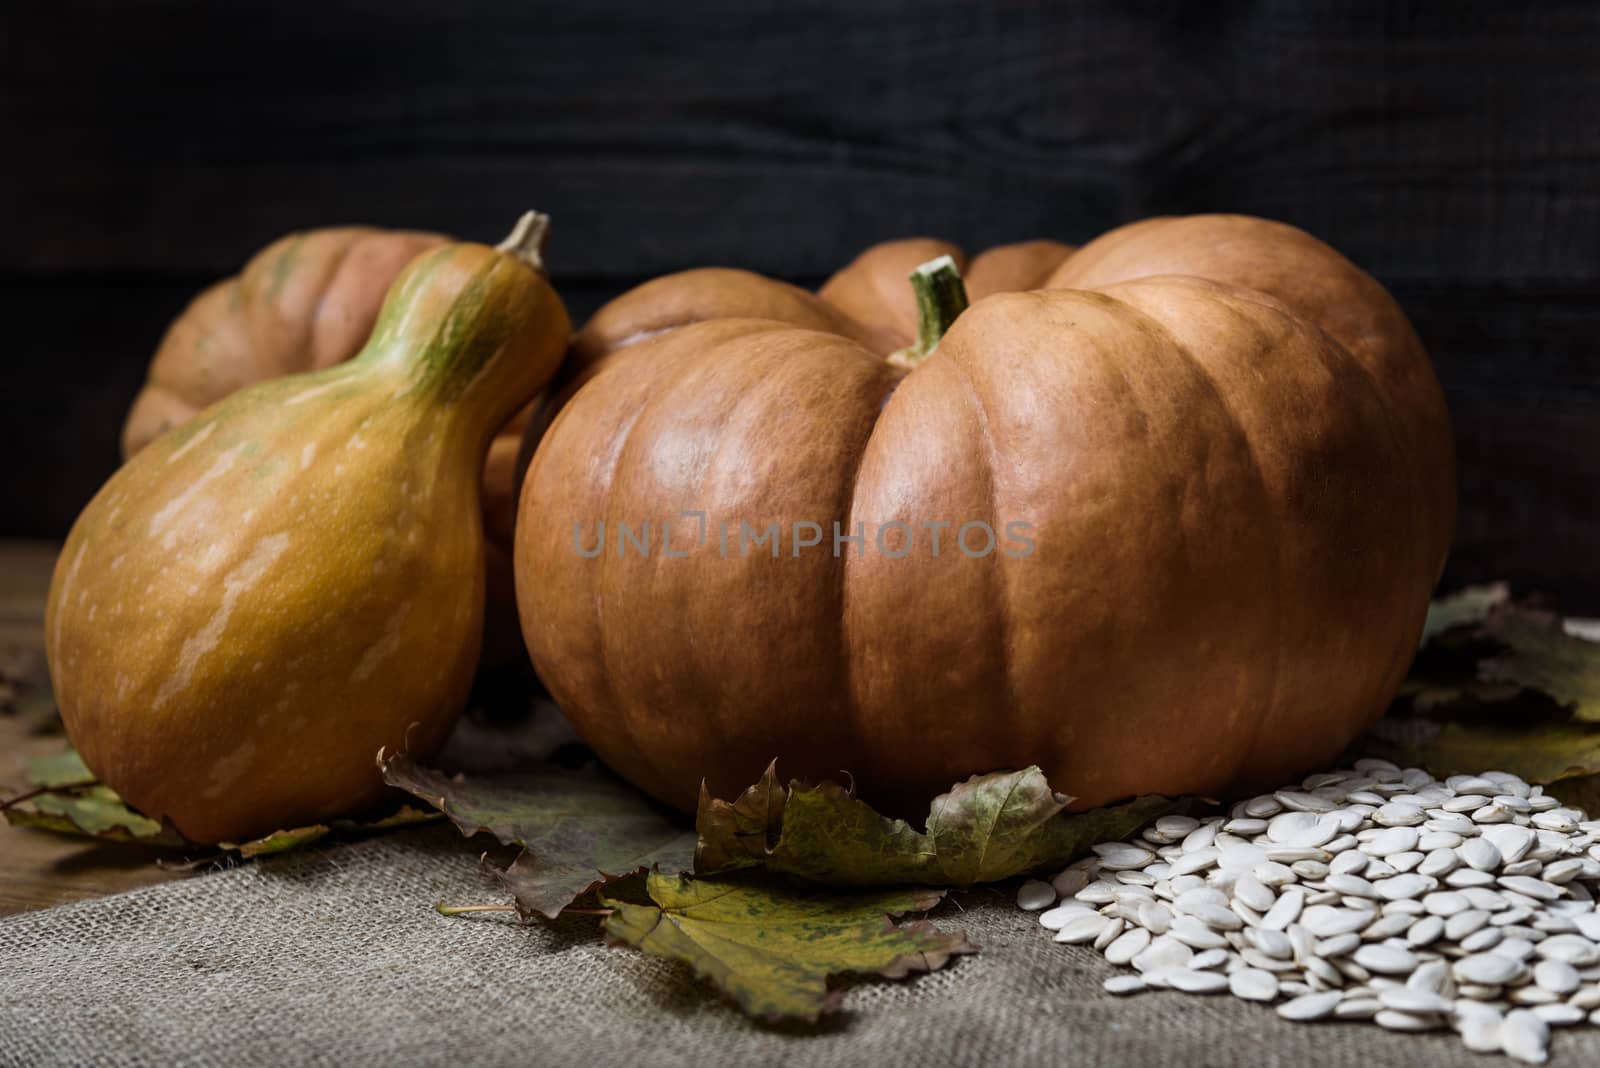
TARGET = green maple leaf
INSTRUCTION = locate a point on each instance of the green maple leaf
(771, 946)
(579, 828)
(988, 828)
(60, 770)
(69, 799)
(91, 811)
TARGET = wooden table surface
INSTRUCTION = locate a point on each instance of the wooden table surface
(37, 868)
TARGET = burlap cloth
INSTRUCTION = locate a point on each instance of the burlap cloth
(336, 957)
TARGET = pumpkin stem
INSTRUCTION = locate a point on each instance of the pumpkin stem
(941, 297)
(527, 239)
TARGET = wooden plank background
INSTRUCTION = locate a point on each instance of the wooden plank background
(1451, 148)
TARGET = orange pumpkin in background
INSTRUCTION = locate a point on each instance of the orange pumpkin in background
(1223, 441)
(305, 302)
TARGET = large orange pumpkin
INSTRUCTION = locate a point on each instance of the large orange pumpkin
(1222, 440)
(308, 301)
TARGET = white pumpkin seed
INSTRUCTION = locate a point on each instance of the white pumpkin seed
(1109, 933)
(1254, 893)
(1034, 895)
(1465, 923)
(1445, 903)
(1483, 940)
(1310, 1006)
(1070, 882)
(1351, 885)
(1285, 910)
(1392, 840)
(1557, 1014)
(1325, 921)
(1525, 1037)
(1377, 893)
(1155, 917)
(1480, 1034)
(1164, 952)
(1405, 999)
(1391, 1020)
(1177, 826)
(1193, 982)
(1535, 888)
(1556, 976)
(1432, 976)
(1574, 949)
(1240, 856)
(1513, 842)
(1124, 984)
(1119, 856)
(1253, 984)
(1426, 931)
(1337, 946)
(1197, 861)
(1390, 926)
(1198, 896)
(1407, 885)
(1488, 969)
(1463, 878)
(1587, 998)
(1398, 814)
(1562, 872)
(1194, 933)
(1054, 919)
(1127, 945)
(1081, 928)
(1349, 862)
(1439, 861)
(1357, 1008)
(1386, 959)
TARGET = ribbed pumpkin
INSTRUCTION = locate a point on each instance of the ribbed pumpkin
(308, 301)
(1220, 446)
(260, 599)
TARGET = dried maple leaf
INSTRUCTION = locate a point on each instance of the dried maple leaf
(1545, 754)
(1541, 656)
(1466, 607)
(68, 799)
(771, 946)
(987, 828)
(579, 828)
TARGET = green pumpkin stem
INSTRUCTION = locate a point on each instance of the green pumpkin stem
(527, 239)
(941, 297)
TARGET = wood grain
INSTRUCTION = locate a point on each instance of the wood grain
(1429, 143)
(1453, 150)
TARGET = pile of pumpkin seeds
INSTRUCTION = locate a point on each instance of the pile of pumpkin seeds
(1376, 893)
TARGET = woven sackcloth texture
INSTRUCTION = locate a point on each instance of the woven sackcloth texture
(336, 957)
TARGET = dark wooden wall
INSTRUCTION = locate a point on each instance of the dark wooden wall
(1453, 149)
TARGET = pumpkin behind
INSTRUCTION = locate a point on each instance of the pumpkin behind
(305, 302)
